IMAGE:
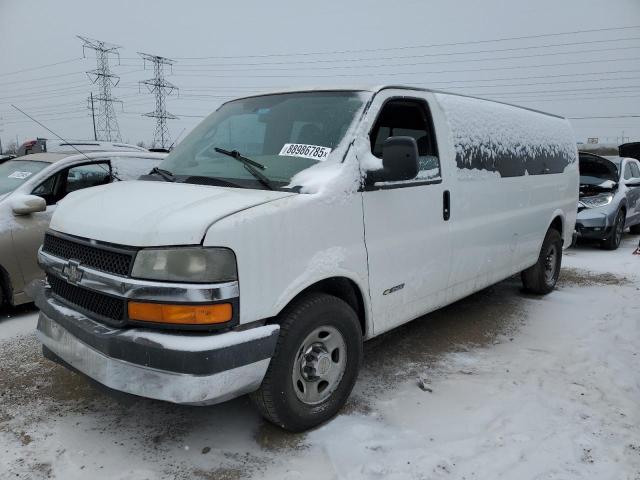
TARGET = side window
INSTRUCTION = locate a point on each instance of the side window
(635, 170)
(85, 176)
(627, 171)
(47, 189)
(132, 168)
(405, 117)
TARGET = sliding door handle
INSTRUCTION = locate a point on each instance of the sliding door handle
(446, 205)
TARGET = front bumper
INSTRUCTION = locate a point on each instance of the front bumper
(594, 224)
(192, 368)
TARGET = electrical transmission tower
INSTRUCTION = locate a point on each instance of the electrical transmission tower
(106, 123)
(161, 88)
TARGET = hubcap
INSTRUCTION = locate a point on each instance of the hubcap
(319, 365)
(550, 264)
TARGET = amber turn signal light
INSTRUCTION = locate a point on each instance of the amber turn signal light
(180, 314)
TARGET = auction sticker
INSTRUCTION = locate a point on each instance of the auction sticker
(314, 152)
(20, 175)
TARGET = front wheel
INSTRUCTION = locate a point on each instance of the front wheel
(315, 364)
(614, 240)
(542, 277)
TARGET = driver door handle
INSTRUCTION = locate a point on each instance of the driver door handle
(446, 205)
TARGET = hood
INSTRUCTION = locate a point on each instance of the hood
(143, 213)
(631, 150)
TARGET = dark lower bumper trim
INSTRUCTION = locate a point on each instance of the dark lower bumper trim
(118, 343)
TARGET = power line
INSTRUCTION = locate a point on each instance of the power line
(411, 64)
(604, 116)
(407, 47)
(419, 55)
(40, 67)
(395, 74)
(41, 78)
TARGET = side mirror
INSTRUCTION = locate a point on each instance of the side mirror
(634, 182)
(399, 160)
(26, 204)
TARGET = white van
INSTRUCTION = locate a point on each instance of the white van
(287, 228)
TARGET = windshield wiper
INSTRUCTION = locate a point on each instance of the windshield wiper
(250, 166)
(165, 174)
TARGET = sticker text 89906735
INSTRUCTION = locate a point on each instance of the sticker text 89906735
(314, 152)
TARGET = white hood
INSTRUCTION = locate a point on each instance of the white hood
(144, 213)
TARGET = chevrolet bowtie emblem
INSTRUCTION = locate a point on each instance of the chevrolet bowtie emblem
(71, 271)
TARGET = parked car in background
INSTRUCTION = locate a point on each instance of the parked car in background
(44, 145)
(30, 189)
(287, 228)
(609, 198)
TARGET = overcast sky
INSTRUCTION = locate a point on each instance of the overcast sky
(252, 46)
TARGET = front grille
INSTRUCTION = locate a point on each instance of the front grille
(104, 306)
(107, 260)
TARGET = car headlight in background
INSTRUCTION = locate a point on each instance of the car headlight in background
(597, 200)
(188, 264)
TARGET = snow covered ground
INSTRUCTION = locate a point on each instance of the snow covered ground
(501, 385)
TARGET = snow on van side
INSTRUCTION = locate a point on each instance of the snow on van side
(506, 139)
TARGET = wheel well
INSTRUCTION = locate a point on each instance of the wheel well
(557, 225)
(346, 290)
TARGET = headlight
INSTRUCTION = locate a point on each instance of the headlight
(189, 264)
(597, 200)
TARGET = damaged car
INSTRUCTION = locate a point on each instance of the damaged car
(609, 199)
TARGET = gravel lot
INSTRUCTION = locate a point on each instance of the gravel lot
(499, 385)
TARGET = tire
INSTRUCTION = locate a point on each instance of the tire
(635, 229)
(613, 242)
(542, 277)
(320, 341)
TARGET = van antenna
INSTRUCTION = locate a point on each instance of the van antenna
(68, 143)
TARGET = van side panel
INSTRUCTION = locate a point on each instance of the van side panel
(516, 170)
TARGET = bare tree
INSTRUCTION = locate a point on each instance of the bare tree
(10, 149)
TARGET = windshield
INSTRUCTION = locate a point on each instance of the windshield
(15, 172)
(284, 133)
(597, 171)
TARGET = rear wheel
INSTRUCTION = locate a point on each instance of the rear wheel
(635, 229)
(542, 277)
(613, 242)
(315, 364)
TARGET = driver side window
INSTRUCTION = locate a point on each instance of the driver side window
(408, 118)
(57, 186)
(47, 189)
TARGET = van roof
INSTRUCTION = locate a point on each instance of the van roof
(377, 88)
